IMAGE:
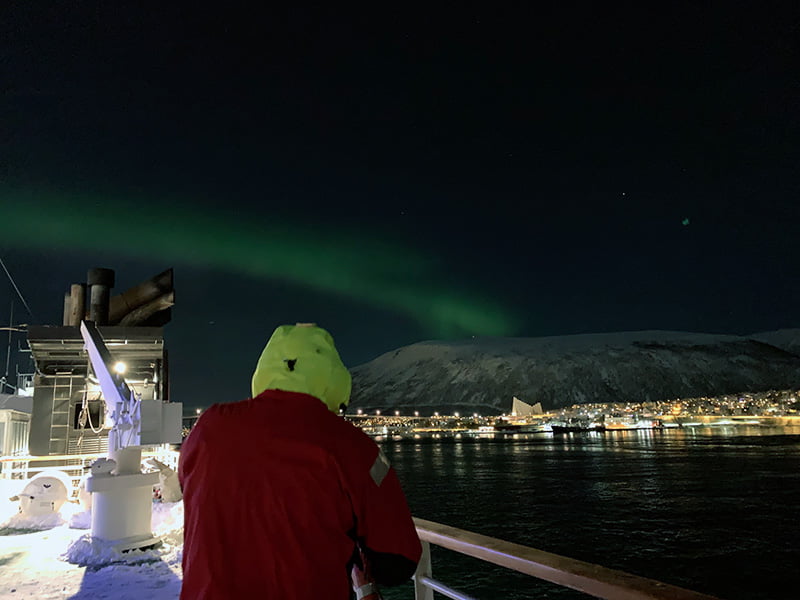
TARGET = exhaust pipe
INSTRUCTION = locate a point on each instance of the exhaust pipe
(100, 282)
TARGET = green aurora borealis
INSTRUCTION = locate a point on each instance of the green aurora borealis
(359, 265)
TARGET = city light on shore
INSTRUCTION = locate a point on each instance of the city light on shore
(763, 408)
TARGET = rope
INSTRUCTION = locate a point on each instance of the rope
(11, 279)
(86, 415)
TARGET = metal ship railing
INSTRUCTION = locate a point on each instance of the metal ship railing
(74, 466)
(588, 578)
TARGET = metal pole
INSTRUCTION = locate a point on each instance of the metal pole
(8, 350)
(423, 574)
(438, 586)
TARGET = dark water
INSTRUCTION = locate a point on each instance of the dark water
(713, 510)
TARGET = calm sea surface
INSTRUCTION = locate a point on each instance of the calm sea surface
(716, 510)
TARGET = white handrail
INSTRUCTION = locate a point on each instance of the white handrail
(594, 580)
(438, 586)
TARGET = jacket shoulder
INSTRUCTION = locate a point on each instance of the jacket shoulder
(346, 437)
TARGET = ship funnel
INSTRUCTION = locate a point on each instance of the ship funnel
(144, 303)
(100, 282)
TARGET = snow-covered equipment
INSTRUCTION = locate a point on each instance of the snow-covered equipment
(44, 494)
(168, 488)
(121, 493)
(84, 497)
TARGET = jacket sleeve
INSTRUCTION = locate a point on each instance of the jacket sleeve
(384, 527)
(187, 456)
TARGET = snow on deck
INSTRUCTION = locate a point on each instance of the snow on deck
(34, 557)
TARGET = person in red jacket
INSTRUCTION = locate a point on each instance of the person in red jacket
(285, 499)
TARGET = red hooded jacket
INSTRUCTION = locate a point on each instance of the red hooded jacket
(277, 490)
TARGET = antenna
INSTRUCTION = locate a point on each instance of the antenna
(8, 349)
(16, 289)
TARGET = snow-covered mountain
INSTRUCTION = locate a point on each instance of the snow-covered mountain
(482, 375)
(785, 339)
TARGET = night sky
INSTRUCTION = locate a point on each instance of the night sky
(404, 174)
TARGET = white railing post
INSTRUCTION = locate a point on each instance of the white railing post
(421, 591)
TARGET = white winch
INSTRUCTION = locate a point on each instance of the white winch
(121, 494)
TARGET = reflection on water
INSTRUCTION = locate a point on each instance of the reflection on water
(712, 509)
